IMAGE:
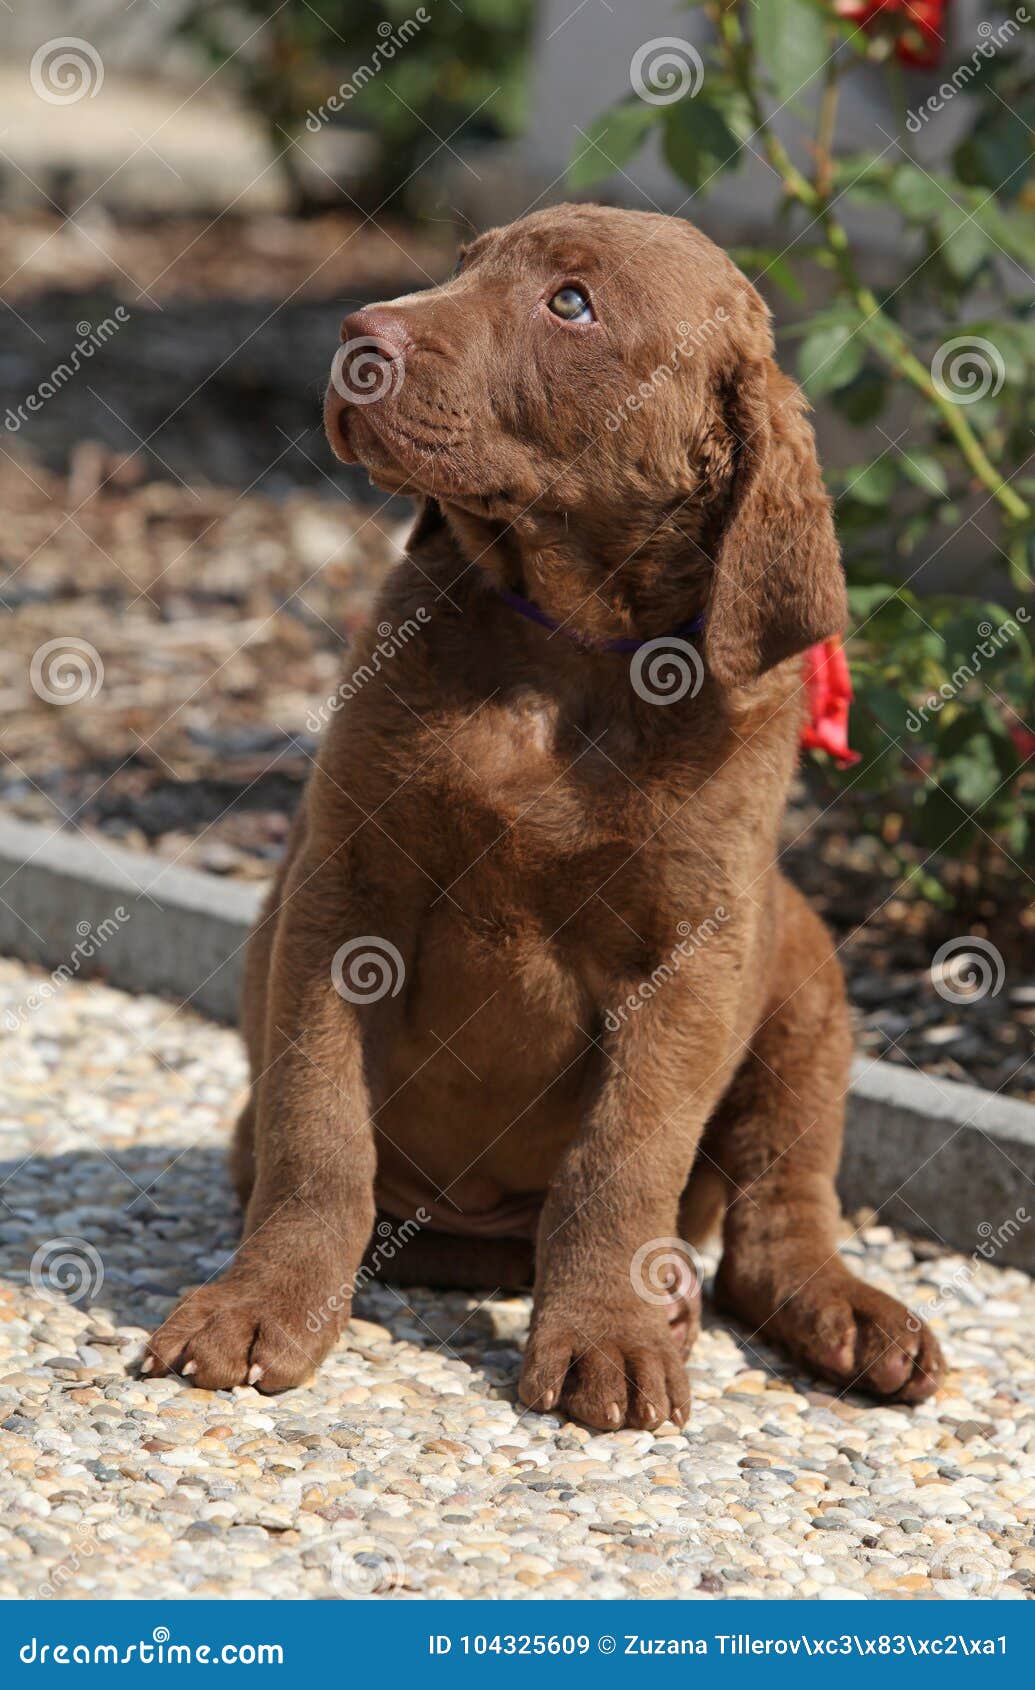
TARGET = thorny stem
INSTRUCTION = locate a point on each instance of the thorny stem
(826, 128)
(883, 333)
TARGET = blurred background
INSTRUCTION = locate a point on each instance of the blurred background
(194, 192)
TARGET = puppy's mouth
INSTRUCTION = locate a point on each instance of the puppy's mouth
(397, 451)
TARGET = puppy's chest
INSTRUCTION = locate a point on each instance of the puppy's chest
(518, 806)
(541, 838)
(549, 786)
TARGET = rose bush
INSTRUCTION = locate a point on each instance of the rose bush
(945, 684)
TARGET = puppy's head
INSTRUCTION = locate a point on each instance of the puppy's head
(611, 372)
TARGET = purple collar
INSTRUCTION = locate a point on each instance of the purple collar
(528, 607)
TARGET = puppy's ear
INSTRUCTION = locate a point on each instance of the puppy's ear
(777, 584)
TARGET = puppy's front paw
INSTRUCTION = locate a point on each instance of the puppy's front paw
(239, 1331)
(608, 1374)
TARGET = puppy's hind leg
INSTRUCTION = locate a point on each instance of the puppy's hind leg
(777, 1138)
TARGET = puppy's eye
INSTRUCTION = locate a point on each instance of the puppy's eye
(572, 305)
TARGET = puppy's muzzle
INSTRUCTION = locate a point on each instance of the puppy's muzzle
(368, 368)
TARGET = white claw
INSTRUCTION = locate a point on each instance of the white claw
(147, 1364)
(255, 1373)
(189, 1367)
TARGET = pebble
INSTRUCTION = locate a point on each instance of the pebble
(405, 1461)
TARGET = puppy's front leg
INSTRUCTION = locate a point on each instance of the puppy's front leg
(600, 1344)
(276, 1311)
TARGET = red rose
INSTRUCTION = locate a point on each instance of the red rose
(1024, 740)
(829, 688)
(917, 27)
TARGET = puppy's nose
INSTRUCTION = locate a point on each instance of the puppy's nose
(370, 363)
(378, 330)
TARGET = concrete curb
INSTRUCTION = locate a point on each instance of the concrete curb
(949, 1161)
(181, 934)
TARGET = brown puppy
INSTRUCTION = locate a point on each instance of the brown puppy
(530, 962)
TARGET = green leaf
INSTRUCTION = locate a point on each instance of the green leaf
(856, 172)
(917, 194)
(864, 601)
(733, 103)
(964, 244)
(873, 484)
(972, 776)
(610, 142)
(888, 706)
(1014, 231)
(762, 265)
(950, 515)
(830, 357)
(792, 44)
(995, 152)
(927, 472)
(863, 178)
(1018, 833)
(698, 141)
(780, 273)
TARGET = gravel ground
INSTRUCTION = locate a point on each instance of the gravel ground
(404, 1469)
